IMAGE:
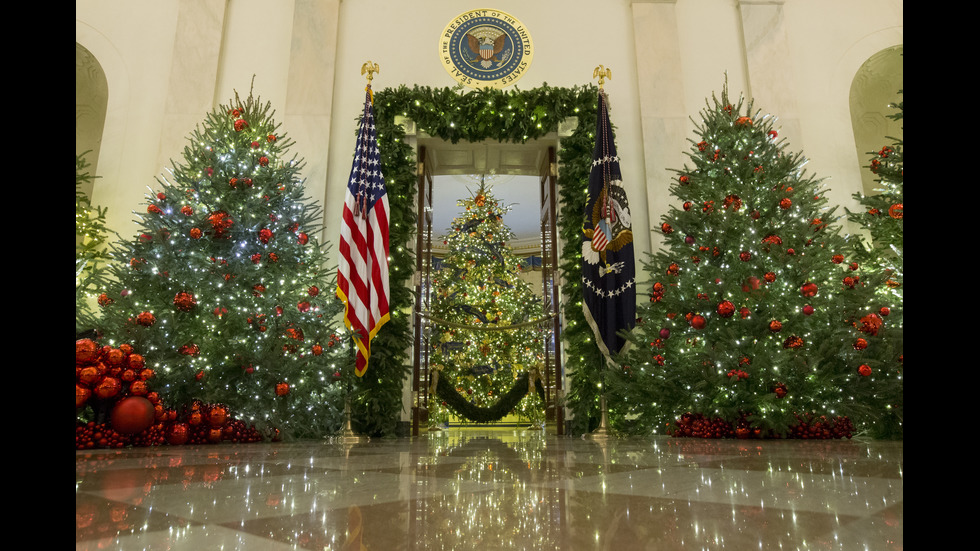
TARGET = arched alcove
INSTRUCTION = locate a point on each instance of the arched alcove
(875, 88)
(91, 99)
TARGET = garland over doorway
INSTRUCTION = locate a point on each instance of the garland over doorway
(514, 116)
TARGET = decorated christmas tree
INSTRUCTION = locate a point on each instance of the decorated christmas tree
(91, 257)
(224, 292)
(486, 339)
(757, 324)
(883, 217)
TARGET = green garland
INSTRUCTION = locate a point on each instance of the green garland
(465, 408)
(489, 114)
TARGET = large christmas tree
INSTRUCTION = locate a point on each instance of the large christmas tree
(883, 215)
(757, 324)
(486, 340)
(224, 291)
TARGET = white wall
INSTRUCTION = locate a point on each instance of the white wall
(169, 62)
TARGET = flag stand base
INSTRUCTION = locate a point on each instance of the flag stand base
(348, 436)
(603, 429)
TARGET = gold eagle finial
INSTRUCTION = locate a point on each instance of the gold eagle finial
(603, 73)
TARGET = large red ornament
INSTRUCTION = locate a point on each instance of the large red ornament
(184, 301)
(808, 289)
(870, 324)
(179, 434)
(89, 375)
(726, 309)
(698, 322)
(282, 389)
(217, 416)
(86, 351)
(132, 415)
(82, 394)
(896, 211)
(108, 387)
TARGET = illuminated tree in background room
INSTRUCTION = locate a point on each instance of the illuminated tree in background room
(485, 355)
(224, 292)
(758, 323)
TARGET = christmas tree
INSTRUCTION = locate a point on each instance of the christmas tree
(883, 216)
(757, 323)
(487, 343)
(91, 257)
(224, 291)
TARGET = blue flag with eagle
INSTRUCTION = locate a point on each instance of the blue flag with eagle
(608, 269)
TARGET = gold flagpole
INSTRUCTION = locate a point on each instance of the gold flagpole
(603, 430)
(348, 436)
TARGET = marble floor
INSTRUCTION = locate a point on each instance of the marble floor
(498, 489)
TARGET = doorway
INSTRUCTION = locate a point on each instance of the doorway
(523, 176)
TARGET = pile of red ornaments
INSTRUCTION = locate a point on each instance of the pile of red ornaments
(812, 427)
(112, 392)
(113, 382)
(696, 425)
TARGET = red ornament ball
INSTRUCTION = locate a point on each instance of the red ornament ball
(698, 322)
(184, 301)
(179, 434)
(807, 310)
(86, 351)
(775, 326)
(132, 415)
(82, 394)
(146, 319)
(808, 289)
(726, 309)
(108, 387)
(864, 370)
(282, 389)
(217, 416)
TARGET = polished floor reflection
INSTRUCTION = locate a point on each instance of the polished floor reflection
(494, 489)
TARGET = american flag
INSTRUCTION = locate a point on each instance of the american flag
(608, 270)
(362, 276)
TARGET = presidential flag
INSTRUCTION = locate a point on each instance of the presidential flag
(362, 276)
(608, 270)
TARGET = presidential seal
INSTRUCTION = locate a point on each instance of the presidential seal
(486, 49)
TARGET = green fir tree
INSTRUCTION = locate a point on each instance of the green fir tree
(224, 291)
(883, 218)
(91, 256)
(756, 318)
